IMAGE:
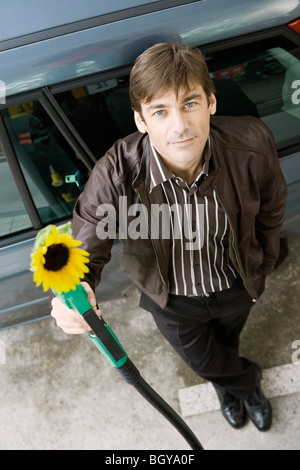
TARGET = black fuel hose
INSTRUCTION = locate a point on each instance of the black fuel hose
(132, 376)
(108, 344)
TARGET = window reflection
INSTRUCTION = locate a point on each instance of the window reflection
(100, 112)
(54, 174)
(13, 215)
(257, 79)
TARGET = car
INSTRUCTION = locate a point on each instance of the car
(64, 74)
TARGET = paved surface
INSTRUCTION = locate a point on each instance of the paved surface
(58, 392)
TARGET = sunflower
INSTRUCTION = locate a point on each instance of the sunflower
(57, 262)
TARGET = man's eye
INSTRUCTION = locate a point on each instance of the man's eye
(190, 105)
(160, 112)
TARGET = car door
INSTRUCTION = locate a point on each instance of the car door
(41, 177)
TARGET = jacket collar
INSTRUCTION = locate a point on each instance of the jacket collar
(143, 179)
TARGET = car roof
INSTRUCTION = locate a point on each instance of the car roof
(40, 15)
(43, 43)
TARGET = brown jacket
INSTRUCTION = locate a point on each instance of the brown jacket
(249, 184)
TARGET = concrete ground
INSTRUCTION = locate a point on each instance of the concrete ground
(59, 392)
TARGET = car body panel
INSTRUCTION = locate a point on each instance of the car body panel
(115, 44)
(22, 302)
(290, 166)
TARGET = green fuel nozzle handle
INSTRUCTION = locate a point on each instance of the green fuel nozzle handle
(102, 336)
(108, 344)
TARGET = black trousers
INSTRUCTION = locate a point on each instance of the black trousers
(205, 332)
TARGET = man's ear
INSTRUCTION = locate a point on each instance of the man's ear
(139, 122)
(213, 104)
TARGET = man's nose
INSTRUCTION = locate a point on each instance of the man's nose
(179, 122)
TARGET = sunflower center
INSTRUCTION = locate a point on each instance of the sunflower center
(56, 257)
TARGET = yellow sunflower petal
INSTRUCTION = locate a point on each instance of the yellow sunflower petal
(68, 241)
(73, 266)
(52, 237)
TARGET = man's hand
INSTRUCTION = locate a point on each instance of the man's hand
(69, 320)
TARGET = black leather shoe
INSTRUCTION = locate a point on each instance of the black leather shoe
(232, 409)
(259, 409)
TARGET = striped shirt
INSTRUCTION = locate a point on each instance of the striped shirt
(198, 232)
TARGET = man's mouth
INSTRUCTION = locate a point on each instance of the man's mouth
(183, 141)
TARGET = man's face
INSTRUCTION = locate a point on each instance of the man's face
(178, 127)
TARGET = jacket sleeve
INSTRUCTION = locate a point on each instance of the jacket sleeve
(273, 192)
(95, 212)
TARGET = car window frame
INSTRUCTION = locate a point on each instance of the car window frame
(291, 145)
(95, 21)
(68, 132)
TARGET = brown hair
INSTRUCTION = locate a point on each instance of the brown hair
(167, 66)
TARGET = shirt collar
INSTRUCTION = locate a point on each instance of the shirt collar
(159, 172)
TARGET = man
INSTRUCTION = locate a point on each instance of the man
(220, 182)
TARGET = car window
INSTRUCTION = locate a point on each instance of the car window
(100, 112)
(13, 215)
(55, 175)
(261, 79)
